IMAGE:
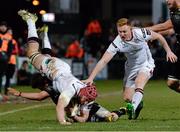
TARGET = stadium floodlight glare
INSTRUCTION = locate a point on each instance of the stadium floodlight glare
(48, 17)
(42, 12)
(35, 2)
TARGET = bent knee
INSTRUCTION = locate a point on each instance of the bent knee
(32, 48)
(29, 53)
(173, 84)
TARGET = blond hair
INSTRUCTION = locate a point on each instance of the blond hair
(123, 21)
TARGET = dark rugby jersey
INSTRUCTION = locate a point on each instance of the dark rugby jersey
(175, 18)
(53, 94)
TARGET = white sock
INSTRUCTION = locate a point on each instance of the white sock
(136, 99)
(31, 29)
(46, 42)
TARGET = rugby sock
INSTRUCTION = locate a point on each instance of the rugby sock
(46, 42)
(137, 97)
(31, 29)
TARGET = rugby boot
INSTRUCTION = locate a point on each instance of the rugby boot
(43, 29)
(138, 110)
(130, 111)
(27, 15)
(121, 111)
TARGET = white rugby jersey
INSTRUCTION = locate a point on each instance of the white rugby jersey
(68, 85)
(63, 81)
(136, 50)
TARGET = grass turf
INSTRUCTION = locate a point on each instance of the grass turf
(161, 111)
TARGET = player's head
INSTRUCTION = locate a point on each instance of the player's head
(124, 29)
(172, 4)
(40, 82)
(10, 31)
(3, 26)
(87, 94)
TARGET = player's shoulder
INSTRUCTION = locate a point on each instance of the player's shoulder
(117, 40)
(141, 32)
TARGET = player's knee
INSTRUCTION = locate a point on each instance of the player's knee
(173, 84)
(29, 53)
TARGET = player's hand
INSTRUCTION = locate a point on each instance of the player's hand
(88, 81)
(70, 120)
(65, 123)
(74, 110)
(172, 57)
(13, 91)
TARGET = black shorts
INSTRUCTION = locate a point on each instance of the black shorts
(174, 68)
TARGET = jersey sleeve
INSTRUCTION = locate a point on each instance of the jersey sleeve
(53, 94)
(113, 48)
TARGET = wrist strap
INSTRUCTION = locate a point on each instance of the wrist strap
(20, 93)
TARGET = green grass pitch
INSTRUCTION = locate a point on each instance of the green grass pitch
(161, 111)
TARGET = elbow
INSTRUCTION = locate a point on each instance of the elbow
(158, 37)
(39, 98)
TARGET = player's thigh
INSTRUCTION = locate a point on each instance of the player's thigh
(38, 61)
(32, 47)
(141, 80)
(143, 76)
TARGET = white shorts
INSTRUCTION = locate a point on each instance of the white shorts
(51, 64)
(131, 74)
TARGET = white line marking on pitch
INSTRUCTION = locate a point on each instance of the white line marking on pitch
(41, 105)
(22, 109)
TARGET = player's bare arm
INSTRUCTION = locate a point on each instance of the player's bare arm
(167, 32)
(60, 109)
(162, 26)
(33, 96)
(82, 117)
(170, 55)
(99, 66)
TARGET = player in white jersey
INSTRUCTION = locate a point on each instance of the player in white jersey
(56, 70)
(139, 65)
(76, 112)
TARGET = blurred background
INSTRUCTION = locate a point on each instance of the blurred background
(71, 22)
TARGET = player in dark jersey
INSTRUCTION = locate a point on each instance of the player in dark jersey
(172, 26)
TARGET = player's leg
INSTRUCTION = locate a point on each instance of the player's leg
(121, 111)
(174, 71)
(128, 90)
(46, 46)
(142, 78)
(173, 84)
(9, 74)
(128, 84)
(33, 42)
(102, 114)
(30, 19)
